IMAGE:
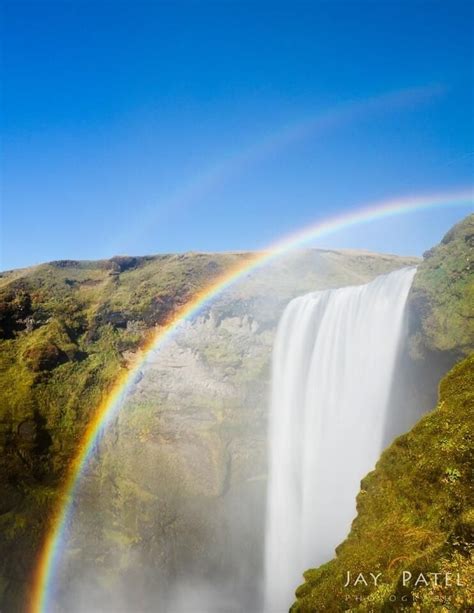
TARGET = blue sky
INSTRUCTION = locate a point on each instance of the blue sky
(153, 127)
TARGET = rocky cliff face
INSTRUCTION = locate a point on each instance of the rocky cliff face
(442, 297)
(172, 470)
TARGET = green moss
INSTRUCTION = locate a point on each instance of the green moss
(443, 294)
(414, 514)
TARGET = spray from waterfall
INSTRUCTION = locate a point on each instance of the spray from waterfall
(333, 366)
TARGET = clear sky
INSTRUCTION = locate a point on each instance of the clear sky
(153, 127)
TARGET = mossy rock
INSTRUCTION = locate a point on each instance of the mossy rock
(44, 357)
(442, 296)
(415, 514)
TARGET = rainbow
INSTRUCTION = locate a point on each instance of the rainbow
(276, 141)
(42, 584)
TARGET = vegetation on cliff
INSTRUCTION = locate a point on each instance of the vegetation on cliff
(443, 294)
(415, 515)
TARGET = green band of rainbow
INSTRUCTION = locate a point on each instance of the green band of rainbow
(41, 593)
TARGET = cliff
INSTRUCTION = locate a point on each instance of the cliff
(442, 297)
(67, 330)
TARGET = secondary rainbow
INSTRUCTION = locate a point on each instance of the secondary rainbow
(42, 584)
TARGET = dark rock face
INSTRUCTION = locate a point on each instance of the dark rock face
(44, 357)
(114, 318)
(65, 263)
(27, 430)
(10, 498)
(15, 309)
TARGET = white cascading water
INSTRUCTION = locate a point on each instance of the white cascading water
(333, 364)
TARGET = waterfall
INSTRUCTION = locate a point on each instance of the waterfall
(333, 364)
